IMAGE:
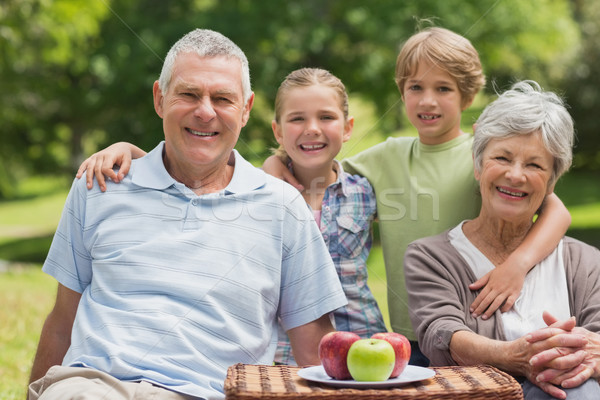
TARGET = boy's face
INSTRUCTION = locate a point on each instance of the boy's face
(433, 104)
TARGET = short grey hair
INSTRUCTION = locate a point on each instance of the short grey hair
(205, 43)
(522, 110)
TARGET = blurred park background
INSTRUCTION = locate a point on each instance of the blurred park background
(76, 75)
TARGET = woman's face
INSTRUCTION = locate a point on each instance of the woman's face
(514, 177)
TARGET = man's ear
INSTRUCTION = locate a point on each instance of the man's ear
(247, 108)
(158, 99)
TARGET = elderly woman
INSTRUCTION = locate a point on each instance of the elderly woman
(522, 145)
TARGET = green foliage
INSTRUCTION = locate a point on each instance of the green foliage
(527, 40)
(44, 53)
(582, 86)
(77, 75)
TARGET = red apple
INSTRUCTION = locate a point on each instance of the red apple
(401, 347)
(333, 351)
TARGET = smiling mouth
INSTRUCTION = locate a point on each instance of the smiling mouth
(511, 193)
(312, 146)
(200, 133)
(429, 117)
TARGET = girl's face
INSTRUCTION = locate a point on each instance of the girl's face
(433, 104)
(312, 126)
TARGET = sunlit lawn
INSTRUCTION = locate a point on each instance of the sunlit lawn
(26, 296)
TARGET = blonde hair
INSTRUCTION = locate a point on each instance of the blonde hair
(447, 50)
(305, 77)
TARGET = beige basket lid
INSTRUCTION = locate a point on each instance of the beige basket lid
(453, 383)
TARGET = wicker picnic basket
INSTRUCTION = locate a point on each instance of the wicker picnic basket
(250, 382)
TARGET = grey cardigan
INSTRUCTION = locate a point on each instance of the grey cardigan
(437, 279)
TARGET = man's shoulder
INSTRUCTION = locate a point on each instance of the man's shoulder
(79, 187)
(279, 188)
(250, 179)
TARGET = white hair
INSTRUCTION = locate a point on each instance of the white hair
(205, 43)
(522, 110)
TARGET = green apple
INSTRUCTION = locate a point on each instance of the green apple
(371, 360)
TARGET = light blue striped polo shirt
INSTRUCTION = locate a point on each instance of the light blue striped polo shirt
(177, 287)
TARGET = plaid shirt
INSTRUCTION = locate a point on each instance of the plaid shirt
(347, 211)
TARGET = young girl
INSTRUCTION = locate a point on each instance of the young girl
(311, 124)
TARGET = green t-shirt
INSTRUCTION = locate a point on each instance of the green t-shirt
(421, 190)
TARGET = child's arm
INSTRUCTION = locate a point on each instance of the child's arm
(502, 285)
(101, 163)
(273, 166)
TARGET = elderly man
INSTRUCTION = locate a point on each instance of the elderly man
(185, 267)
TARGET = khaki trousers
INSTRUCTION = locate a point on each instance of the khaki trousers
(63, 383)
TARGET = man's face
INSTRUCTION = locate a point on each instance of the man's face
(203, 112)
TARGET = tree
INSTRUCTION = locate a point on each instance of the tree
(80, 73)
(582, 87)
(44, 48)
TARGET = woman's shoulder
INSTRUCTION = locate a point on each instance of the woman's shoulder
(434, 247)
(441, 239)
(576, 248)
(581, 259)
(435, 254)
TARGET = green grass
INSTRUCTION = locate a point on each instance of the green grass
(28, 226)
(30, 217)
(377, 281)
(580, 192)
(26, 295)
